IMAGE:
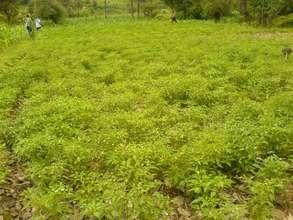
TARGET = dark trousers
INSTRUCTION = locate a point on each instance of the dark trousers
(29, 29)
(173, 19)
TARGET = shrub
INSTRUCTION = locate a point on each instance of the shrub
(9, 10)
(264, 11)
(216, 9)
(49, 9)
(284, 21)
(270, 180)
(163, 15)
(201, 8)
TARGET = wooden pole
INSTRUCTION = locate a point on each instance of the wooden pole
(138, 8)
(262, 12)
(132, 8)
(105, 8)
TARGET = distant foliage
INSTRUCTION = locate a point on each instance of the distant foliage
(199, 9)
(49, 9)
(264, 11)
(261, 11)
(284, 21)
(163, 14)
(216, 9)
(9, 10)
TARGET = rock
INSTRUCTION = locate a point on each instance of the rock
(26, 215)
(10, 204)
(18, 206)
(14, 212)
(184, 213)
(20, 178)
(179, 201)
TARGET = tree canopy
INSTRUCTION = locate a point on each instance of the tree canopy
(9, 9)
(262, 12)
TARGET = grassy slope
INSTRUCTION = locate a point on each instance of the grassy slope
(133, 119)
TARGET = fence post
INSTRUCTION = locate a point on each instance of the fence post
(138, 8)
(132, 8)
(105, 8)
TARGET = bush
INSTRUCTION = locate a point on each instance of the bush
(49, 9)
(270, 180)
(185, 8)
(9, 11)
(216, 9)
(284, 21)
(264, 11)
(163, 15)
(150, 10)
(201, 9)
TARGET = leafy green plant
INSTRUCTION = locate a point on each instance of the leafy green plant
(120, 119)
(9, 35)
(271, 179)
(284, 21)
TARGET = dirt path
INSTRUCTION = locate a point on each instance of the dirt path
(11, 206)
(11, 198)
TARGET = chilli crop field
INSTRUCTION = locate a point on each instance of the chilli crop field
(149, 120)
(10, 35)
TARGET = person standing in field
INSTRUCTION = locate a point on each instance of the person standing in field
(38, 23)
(29, 25)
(173, 16)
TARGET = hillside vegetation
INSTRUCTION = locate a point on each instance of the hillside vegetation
(150, 120)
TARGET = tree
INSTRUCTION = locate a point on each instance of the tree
(138, 8)
(78, 5)
(69, 6)
(94, 6)
(149, 8)
(49, 9)
(264, 11)
(199, 9)
(105, 8)
(186, 8)
(286, 8)
(132, 8)
(243, 8)
(216, 8)
(9, 9)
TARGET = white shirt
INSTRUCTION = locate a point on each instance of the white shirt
(38, 23)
